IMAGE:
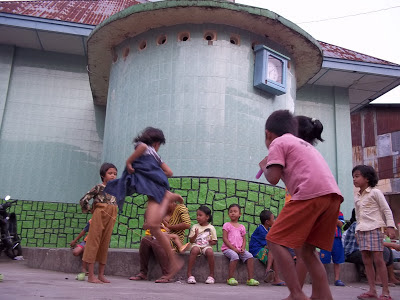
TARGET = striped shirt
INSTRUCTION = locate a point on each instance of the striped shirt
(180, 215)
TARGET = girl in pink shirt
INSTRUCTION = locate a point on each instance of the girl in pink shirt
(234, 246)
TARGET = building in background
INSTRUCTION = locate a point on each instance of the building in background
(375, 132)
(81, 78)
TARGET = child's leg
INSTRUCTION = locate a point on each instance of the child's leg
(381, 270)
(192, 259)
(250, 268)
(232, 268)
(369, 271)
(91, 277)
(175, 238)
(320, 285)
(154, 213)
(173, 197)
(274, 266)
(211, 263)
(301, 268)
(336, 271)
(391, 275)
(101, 273)
(286, 264)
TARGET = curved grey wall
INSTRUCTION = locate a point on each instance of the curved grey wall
(200, 95)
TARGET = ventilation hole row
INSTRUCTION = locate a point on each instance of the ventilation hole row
(209, 36)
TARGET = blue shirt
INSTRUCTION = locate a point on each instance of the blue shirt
(338, 232)
(257, 239)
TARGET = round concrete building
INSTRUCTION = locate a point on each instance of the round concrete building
(208, 73)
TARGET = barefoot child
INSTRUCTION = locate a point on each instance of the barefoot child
(234, 246)
(259, 249)
(308, 220)
(202, 236)
(78, 250)
(146, 173)
(104, 210)
(373, 216)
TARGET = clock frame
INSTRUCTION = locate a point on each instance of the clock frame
(270, 70)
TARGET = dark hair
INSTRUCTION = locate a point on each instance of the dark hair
(207, 211)
(265, 216)
(309, 129)
(234, 205)
(367, 172)
(150, 135)
(351, 221)
(281, 122)
(104, 168)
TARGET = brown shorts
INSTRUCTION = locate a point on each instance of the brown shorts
(311, 221)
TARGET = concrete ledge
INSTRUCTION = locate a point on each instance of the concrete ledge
(125, 262)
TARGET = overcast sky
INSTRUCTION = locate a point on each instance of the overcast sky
(372, 27)
(375, 30)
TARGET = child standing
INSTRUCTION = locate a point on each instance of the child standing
(308, 220)
(146, 173)
(78, 250)
(373, 216)
(337, 253)
(104, 210)
(258, 247)
(202, 236)
(234, 246)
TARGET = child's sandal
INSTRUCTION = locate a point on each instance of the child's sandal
(252, 282)
(232, 281)
(210, 280)
(191, 280)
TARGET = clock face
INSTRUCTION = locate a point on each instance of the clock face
(274, 69)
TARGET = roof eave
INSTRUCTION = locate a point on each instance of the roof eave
(305, 50)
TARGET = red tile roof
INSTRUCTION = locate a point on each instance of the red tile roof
(93, 12)
(343, 53)
(90, 12)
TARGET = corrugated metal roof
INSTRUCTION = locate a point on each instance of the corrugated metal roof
(93, 12)
(90, 12)
(343, 53)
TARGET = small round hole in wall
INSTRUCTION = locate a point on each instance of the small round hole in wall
(183, 36)
(210, 36)
(125, 53)
(162, 40)
(142, 45)
(234, 39)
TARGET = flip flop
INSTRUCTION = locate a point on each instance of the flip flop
(367, 296)
(139, 276)
(164, 280)
(282, 283)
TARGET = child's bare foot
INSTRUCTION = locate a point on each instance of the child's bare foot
(94, 280)
(184, 248)
(103, 279)
(175, 266)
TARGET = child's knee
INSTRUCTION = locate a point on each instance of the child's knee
(195, 251)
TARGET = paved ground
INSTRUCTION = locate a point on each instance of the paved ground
(22, 282)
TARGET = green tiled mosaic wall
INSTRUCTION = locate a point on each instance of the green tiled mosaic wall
(43, 224)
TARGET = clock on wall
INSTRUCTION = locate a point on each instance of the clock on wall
(270, 69)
